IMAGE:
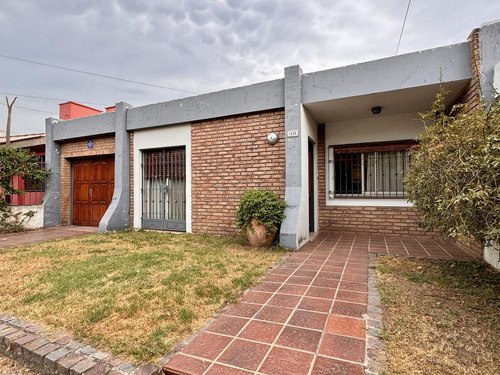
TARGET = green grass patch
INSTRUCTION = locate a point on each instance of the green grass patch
(134, 293)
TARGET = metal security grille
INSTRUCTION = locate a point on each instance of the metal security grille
(164, 189)
(368, 172)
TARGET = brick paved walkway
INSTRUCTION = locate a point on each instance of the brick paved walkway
(44, 234)
(307, 317)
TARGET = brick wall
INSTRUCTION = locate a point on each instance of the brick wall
(472, 247)
(230, 156)
(389, 221)
(470, 96)
(471, 93)
(78, 149)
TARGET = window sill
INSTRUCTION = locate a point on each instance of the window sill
(369, 202)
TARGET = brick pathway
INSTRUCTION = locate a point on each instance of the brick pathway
(44, 234)
(307, 317)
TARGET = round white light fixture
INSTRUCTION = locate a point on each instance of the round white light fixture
(272, 138)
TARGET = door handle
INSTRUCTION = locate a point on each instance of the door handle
(90, 192)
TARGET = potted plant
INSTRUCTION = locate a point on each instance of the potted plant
(259, 213)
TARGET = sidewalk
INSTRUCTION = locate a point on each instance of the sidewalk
(308, 317)
(43, 234)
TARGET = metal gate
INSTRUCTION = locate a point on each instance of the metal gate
(164, 189)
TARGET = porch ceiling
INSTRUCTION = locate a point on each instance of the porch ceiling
(411, 100)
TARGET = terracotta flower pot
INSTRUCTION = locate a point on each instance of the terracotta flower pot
(257, 236)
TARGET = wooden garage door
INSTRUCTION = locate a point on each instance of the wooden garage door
(93, 185)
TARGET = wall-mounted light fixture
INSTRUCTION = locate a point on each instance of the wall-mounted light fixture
(376, 110)
(272, 138)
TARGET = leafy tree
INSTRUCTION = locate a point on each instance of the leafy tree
(16, 162)
(454, 176)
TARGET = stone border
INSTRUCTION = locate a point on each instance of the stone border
(375, 348)
(31, 345)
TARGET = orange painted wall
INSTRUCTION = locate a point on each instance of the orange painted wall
(72, 110)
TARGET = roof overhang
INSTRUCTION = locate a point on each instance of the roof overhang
(400, 84)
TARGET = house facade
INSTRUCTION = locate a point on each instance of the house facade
(334, 144)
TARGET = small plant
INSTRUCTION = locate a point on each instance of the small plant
(263, 205)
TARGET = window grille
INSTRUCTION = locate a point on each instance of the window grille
(368, 171)
(164, 189)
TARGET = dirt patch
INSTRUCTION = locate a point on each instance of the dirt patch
(440, 317)
(11, 367)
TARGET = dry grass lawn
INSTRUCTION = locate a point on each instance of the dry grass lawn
(134, 294)
(440, 317)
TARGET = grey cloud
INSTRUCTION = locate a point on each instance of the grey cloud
(204, 45)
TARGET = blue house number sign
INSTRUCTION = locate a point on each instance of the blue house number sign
(90, 144)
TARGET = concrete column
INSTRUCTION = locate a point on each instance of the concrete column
(293, 104)
(489, 56)
(52, 197)
(117, 216)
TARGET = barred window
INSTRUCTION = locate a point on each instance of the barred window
(368, 170)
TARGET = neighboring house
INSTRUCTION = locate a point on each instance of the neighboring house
(33, 192)
(341, 154)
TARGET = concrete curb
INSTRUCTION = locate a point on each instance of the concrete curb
(48, 354)
(375, 352)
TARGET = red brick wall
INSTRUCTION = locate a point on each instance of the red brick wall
(79, 149)
(230, 156)
(471, 93)
(470, 96)
(389, 221)
(472, 247)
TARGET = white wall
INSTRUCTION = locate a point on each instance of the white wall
(492, 255)
(378, 128)
(373, 129)
(168, 136)
(37, 220)
(309, 130)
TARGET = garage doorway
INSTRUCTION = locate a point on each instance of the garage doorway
(93, 186)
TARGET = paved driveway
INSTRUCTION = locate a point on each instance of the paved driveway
(44, 234)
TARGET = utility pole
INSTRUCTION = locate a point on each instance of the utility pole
(9, 116)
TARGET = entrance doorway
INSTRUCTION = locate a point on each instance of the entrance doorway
(310, 164)
(93, 186)
(164, 189)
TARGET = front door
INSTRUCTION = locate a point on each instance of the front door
(164, 189)
(93, 186)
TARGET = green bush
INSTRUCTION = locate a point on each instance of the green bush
(263, 205)
(16, 162)
(454, 176)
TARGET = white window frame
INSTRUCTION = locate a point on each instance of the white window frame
(377, 198)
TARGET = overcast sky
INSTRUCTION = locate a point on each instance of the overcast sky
(201, 46)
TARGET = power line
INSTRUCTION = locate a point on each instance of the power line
(403, 27)
(96, 74)
(45, 98)
(31, 109)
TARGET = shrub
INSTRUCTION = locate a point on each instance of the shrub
(22, 163)
(263, 205)
(454, 176)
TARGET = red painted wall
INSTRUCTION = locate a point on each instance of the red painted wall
(71, 110)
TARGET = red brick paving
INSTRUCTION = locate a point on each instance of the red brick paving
(307, 317)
